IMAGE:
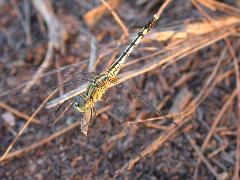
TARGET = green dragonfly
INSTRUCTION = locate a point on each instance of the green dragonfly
(100, 83)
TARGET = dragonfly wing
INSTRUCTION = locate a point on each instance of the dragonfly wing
(121, 112)
(145, 101)
(120, 106)
(49, 81)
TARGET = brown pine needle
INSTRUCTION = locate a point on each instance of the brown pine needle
(232, 53)
(33, 146)
(26, 125)
(48, 139)
(117, 19)
(218, 118)
(172, 115)
(203, 158)
(18, 113)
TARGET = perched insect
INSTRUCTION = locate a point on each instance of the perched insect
(100, 83)
(103, 81)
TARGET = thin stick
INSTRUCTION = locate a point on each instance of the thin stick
(26, 125)
(232, 53)
(236, 67)
(57, 37)
(28, 22)
(203, 158)
(41, 142)
(117, 19)
(171, 131)
(221, 6)
(18, 113)
(59, 77)
(47, 139)
(218, 118)
(172, 115)
(93, 55)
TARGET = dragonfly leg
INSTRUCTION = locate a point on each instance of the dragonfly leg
(59, 107)
(63, 112)
(93, 116)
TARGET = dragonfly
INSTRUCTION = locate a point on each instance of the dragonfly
(102, 82)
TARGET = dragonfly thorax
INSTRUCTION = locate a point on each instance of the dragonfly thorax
(94, 93)
(98, 88)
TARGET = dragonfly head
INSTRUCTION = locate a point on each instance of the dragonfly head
(80, 104)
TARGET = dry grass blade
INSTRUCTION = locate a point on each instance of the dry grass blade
(117, 19)
(236, 67)
(18, 113)
(190, 109)
(153, 147)
(215, 5)
(232, 53)
(26, 125)
(237, 167)
(203, 158)
(170, 116)
(218, 118)
(186, 68)
(42, 142)
(46, 140)
(93, 16)
(192, 29)
(57, 38)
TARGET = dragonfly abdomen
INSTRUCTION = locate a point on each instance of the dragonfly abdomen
(116, 66)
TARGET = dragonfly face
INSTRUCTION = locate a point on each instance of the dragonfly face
(80, 104)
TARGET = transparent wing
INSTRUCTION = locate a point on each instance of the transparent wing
(129, 105)
(145, 101)
(120, 113)
(14, 81)
(70, 78)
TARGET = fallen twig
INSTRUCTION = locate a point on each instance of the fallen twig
(93, 16)
(18, 113)
(25, 126)
(46, 140)
(232, 53)
(203, 158)
(57, 37)
(117, 19)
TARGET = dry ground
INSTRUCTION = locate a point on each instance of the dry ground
(187, 65)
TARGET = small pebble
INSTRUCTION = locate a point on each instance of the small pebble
(70, 120)
(9, 119)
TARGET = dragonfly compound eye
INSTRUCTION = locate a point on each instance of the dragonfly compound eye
(79, 104)
(79, 100)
